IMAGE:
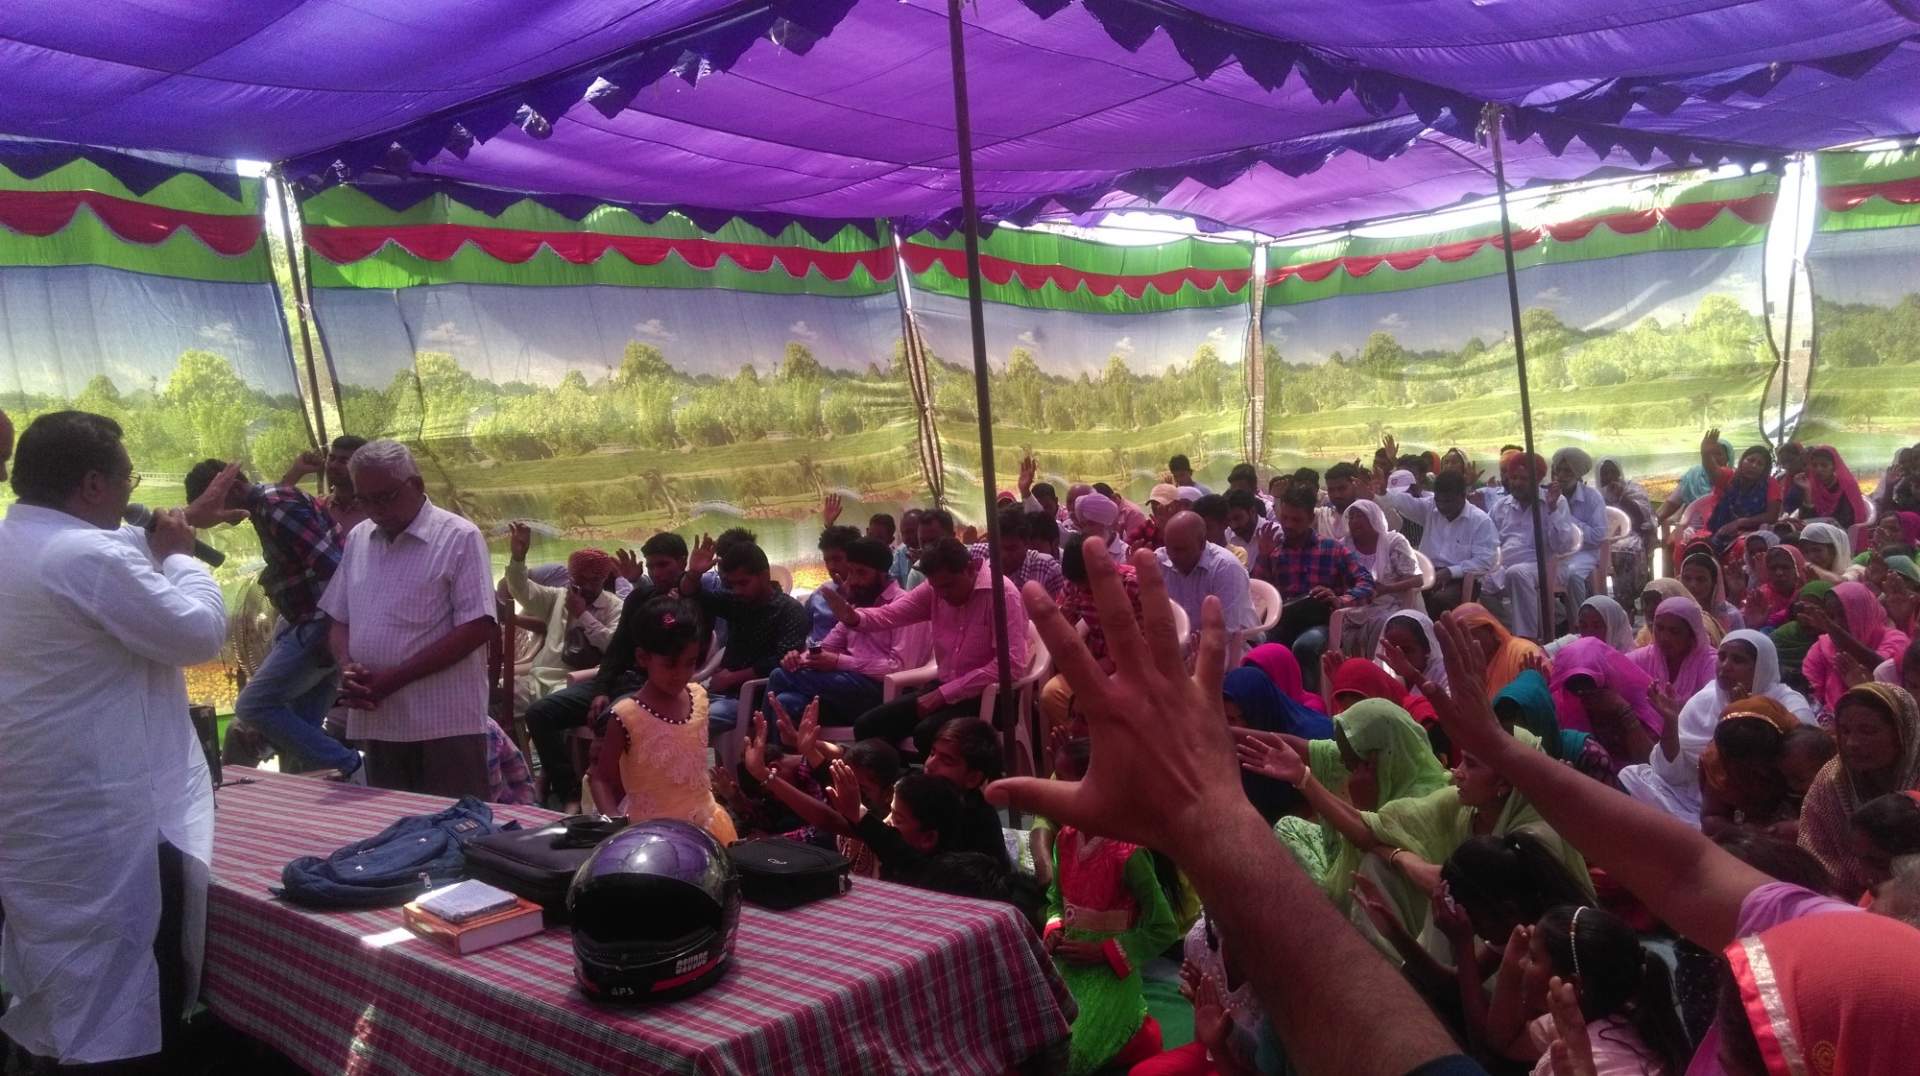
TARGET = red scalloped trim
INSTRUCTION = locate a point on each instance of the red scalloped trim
(1851, 195)
(920, 258)
(1754, 209)
(343, 244)
(42, 213)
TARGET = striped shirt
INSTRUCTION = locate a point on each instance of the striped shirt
(1037, 567)
(301, 544)
(401, 595)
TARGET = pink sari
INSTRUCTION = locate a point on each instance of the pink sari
(1867, 623)
(1697, 669)
(1826, 502)
(1606, 667)
(1283, 669)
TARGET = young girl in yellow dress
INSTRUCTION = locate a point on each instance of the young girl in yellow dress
(654, 752)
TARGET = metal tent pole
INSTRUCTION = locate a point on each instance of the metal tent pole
(983, 405)
(285, 194)
(1491, 123)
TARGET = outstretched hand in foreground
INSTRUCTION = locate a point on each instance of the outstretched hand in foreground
(1163, 768)
(1162, 773)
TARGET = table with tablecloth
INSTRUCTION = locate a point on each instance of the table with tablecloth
(883, 979)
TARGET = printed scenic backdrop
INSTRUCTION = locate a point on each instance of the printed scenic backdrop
(1641, 310)
(1864, 261)
(145, 293)
(611, 376)
(1104, 360)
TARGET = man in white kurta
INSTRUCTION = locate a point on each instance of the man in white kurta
(102, 765)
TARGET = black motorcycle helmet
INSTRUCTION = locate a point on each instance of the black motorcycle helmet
(654, 911)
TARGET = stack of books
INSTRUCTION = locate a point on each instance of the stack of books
(471, 916)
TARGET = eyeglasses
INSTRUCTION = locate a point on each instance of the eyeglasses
(133, 481)
(381, 500)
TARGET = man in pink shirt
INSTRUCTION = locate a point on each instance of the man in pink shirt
(845, 671)
(957, 599)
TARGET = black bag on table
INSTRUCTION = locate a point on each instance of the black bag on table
(539, 864)
(776, 872)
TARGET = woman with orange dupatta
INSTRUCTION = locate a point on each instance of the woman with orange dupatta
(1826, 993)
(1878, 729)
(1507, 654)
(1741, 780)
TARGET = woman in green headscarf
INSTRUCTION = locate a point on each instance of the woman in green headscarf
(1900, 593)
(1526, 707)
(1792, 640)
(1415, 833)
(1378, 755)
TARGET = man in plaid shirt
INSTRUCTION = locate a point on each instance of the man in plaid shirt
(289, 695)
(1314, 576)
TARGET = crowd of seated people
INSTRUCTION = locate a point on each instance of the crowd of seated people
(1673, 827)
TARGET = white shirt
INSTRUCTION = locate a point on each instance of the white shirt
(101, 766)
(1588, 511)
(1514, 521)
(399, 597)
(1218, 573)
(548, 670)
(1464, 544)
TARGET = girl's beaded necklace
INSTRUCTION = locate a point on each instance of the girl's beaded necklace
(658, 716)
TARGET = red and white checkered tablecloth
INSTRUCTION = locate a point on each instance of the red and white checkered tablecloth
(886, 979)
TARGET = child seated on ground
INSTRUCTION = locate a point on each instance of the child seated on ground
(799, 798)
(966, 752)
(1624, 994)
(654, 754)
(1886, 830)
(1226, 1016)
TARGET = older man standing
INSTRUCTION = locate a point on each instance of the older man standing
(412, 609)
(1588, 510)
(106, 811)
(1195, 568)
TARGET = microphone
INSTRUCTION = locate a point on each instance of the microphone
(141, 516)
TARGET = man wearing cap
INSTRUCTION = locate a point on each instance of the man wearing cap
(580, 617)
(1160, 503)
(1589, 511)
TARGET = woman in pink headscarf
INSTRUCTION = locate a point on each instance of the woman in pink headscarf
(1596, 689)
(1681, 657)
(1283, 669)
(1830, 489)
(1853, 625)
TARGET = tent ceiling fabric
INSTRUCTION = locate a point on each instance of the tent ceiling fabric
(1254, 114)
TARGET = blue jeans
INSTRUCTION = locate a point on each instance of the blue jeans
(290, 694)
(843, 695)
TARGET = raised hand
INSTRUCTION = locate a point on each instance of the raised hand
(1571, 1051)
(1393, 448)
(1330, 661)
(804, 737)
(1851, 671)
(1402, 666)
(830, 509)
(1028, 468)
(1463, 707)
(842, 609)
(700, 558)
(844, 794)
(519, 539)
(628, 565)
(1211, 1024)
(1270, 758)
(210, 507)
(1537, 661)
(1162, 772)
(1663, 703)
(1374, 904)
(170, 535)
(1451, 919)
(1267, 539)
(754, 755)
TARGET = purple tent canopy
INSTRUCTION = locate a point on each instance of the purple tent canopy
(1252, 114)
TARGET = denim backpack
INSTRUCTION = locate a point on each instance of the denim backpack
(390, 869)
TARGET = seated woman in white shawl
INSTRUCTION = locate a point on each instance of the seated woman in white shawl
(1670, 778)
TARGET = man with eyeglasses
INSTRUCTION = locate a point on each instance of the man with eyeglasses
(106, 809)
(412, 609)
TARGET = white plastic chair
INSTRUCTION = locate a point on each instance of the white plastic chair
(1619, 525)
(1427, 577)
(1026, 687)
(1266, 604)
(782, 575)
